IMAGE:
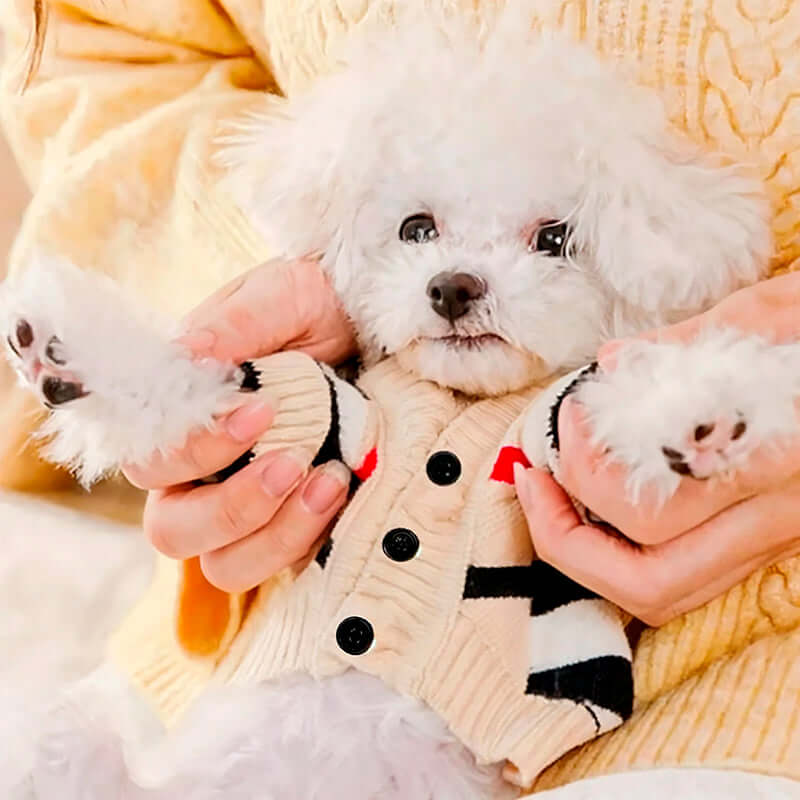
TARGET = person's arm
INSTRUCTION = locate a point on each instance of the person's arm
(115, 134)
(707, 537)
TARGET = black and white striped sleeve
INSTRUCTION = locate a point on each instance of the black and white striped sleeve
(314, 409)
(577, 647)
(353, 431)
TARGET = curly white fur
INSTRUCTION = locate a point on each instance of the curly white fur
(342, 738)
(494, 134)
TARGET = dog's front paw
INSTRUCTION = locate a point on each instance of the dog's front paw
(122, 388)
(42, 361)
(666, 411)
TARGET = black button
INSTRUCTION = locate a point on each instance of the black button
(354, 635)
(400, 544)
(443, 468)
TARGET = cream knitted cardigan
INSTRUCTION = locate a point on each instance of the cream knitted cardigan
(428, 580)
(115, 137)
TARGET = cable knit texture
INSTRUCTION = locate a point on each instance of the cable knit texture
(115, 137)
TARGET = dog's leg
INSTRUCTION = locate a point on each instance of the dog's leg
(698, 410)
(119, 385)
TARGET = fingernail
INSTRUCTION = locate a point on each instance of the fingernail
(200, 341)
(522, 484)
(326, 487)
(247, 422)
(285, 471)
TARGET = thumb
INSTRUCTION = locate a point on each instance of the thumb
(255, 314)
(768, 308)
(681, 332)
(582, 552)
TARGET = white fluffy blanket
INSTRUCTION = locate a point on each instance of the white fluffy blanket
(67, 579)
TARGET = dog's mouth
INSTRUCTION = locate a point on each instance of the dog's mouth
(464, 342)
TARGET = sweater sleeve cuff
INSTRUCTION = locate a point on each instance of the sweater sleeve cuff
(295, 385)
(316, 410)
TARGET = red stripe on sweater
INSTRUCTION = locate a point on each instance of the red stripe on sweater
(503, 470)
(367, 465)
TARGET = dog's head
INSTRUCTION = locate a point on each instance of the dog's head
(492, 206)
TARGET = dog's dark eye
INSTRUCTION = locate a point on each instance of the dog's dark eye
(418, 229)
(550, 239)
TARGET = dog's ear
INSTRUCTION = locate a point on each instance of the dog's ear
(286, 169)
(303, 168)
(669, 228)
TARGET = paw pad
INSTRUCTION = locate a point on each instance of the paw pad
(702, 431)
(709, 449)
(57, 391)
(54, 351)
(24, 334)
(40, 358)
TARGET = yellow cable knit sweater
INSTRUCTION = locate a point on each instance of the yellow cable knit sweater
(115, 136)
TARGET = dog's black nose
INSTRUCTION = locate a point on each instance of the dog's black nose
(452, 293)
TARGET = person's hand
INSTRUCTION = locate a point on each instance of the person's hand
(269, 514)
(707, 537)
(280, 305)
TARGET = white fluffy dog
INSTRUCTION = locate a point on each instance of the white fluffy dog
(491, 207)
